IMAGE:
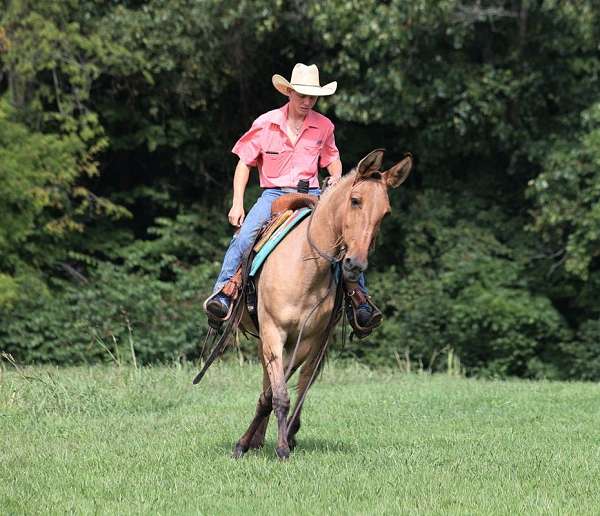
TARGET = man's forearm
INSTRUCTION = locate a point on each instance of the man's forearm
(240, 180)
(335, 169)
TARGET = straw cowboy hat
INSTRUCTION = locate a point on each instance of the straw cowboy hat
(305, 80)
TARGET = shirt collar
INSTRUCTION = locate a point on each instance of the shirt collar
(309, 121)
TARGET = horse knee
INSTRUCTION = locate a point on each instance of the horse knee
(281, 404)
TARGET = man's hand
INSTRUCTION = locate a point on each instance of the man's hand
(332, 180)
(335, 172)
(236, 215)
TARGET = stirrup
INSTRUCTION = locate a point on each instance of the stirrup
(353, 300)
(214, 321)
(232, 290)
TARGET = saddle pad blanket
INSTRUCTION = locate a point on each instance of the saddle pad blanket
(276, 237)
(270, 229)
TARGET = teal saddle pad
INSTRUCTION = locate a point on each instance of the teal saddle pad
(277, 237)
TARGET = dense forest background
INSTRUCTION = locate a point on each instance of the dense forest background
(116, 124)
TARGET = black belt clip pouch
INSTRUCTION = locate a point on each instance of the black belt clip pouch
(302, 186)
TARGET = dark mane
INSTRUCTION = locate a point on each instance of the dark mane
(345, 179)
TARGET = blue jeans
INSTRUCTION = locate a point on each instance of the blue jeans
(245, 237)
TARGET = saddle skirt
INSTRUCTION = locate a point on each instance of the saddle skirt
(274, 233)
(287, 211)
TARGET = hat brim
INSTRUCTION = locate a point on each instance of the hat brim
(283, 86)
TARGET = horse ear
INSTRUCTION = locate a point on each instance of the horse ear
(369, 164)
(396, 175)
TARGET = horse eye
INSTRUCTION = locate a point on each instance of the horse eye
(354, 202)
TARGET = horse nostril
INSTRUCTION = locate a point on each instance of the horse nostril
(351, 265)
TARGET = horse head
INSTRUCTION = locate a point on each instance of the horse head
(366, 205)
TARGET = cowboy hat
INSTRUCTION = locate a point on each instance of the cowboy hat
(305, 80)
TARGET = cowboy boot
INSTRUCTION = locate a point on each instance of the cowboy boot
(218, 306)
(362, 313)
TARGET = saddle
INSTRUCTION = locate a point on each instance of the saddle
(286, 212)
(282, 214)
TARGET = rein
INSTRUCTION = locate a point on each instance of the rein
(333, 319)
(326, 256)
(220, 340)
(333, 287)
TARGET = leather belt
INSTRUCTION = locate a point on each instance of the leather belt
(286, 189)
(303, 186)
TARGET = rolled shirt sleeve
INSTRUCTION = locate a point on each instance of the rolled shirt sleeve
(329, 151)
(248, 147)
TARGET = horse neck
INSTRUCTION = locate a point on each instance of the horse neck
(327, 220)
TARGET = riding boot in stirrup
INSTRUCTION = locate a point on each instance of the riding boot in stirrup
(363, 315)
(219, 306)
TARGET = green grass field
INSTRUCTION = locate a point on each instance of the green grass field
(113, 440)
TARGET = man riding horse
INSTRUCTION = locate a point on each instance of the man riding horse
(287, 145)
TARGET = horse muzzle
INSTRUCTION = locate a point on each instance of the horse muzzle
(352, 268)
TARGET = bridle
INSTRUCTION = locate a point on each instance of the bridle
(332, 259)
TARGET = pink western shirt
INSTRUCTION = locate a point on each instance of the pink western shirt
(280, 164)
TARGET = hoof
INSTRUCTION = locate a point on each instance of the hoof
(292, 443)
(238, 452)
(283, 453)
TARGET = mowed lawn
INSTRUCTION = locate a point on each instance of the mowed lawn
(113, 440)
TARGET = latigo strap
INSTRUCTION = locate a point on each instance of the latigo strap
(233, 286)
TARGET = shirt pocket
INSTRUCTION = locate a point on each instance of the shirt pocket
(312, 151)
(311, 157)
(273, 163)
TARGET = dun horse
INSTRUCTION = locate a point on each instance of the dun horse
(295, 293)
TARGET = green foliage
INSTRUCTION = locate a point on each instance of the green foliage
(37, 173)
(584, 352)
(9, 290)
(461, 80)
(462, 292)
(567, 197)
(52, 62)
(79, 323)
(41, 203)
(115, 174)
(152, 298)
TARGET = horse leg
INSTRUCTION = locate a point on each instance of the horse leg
(272, 345)
(254, 437)
(305, 381)
(258, 439)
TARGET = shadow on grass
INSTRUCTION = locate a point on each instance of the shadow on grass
(309, 445)
(317, 445)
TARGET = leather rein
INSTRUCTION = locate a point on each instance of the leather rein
(332, 259)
